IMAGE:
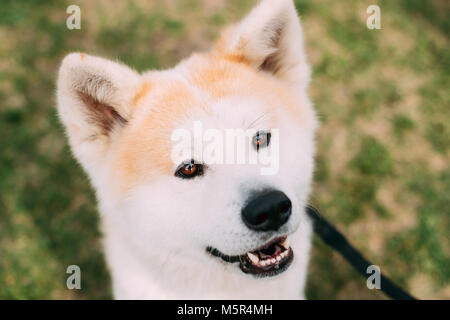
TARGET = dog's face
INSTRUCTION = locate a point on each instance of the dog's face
(123, 126)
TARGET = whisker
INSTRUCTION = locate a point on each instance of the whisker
(257, 119)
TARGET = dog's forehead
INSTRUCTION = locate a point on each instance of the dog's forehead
(207, 84)
(221, 92)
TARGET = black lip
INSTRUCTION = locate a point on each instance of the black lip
(247, 267)
(215, 252)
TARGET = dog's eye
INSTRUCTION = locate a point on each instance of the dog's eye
(261, 139)
(188, 170)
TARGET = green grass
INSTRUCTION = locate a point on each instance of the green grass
(401, 124)
(383, 149)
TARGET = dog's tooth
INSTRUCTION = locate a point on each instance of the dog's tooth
(253, 257)
(286, 243)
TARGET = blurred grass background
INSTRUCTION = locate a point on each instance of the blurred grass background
(383, 149)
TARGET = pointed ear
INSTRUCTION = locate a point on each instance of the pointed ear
(270, 39)
(94, 99)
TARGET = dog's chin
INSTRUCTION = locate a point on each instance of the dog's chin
(271, 259)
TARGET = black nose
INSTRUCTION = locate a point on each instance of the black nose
(268, 210)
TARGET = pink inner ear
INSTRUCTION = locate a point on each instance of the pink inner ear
(272, 62)
(110, 113)
(100, 113)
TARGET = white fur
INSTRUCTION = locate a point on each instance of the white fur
(155, 236)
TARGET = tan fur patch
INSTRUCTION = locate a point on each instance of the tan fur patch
(235, 57)
(145, 149)
(220, 77)
(142, 92)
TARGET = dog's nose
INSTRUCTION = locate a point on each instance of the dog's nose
(268, 210)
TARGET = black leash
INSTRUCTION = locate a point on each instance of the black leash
(338, 242)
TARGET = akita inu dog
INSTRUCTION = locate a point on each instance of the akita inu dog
(193, 230)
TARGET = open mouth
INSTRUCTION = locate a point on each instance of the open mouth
(271, 259)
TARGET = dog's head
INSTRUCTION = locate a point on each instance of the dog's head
(128, 130)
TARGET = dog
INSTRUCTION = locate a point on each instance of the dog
(191, 230)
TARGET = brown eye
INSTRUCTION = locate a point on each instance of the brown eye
(189, 170)
(261, 139)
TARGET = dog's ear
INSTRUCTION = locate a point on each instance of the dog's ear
(94, 99)
(270, 39)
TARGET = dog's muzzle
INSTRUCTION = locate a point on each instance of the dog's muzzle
(265, 211)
